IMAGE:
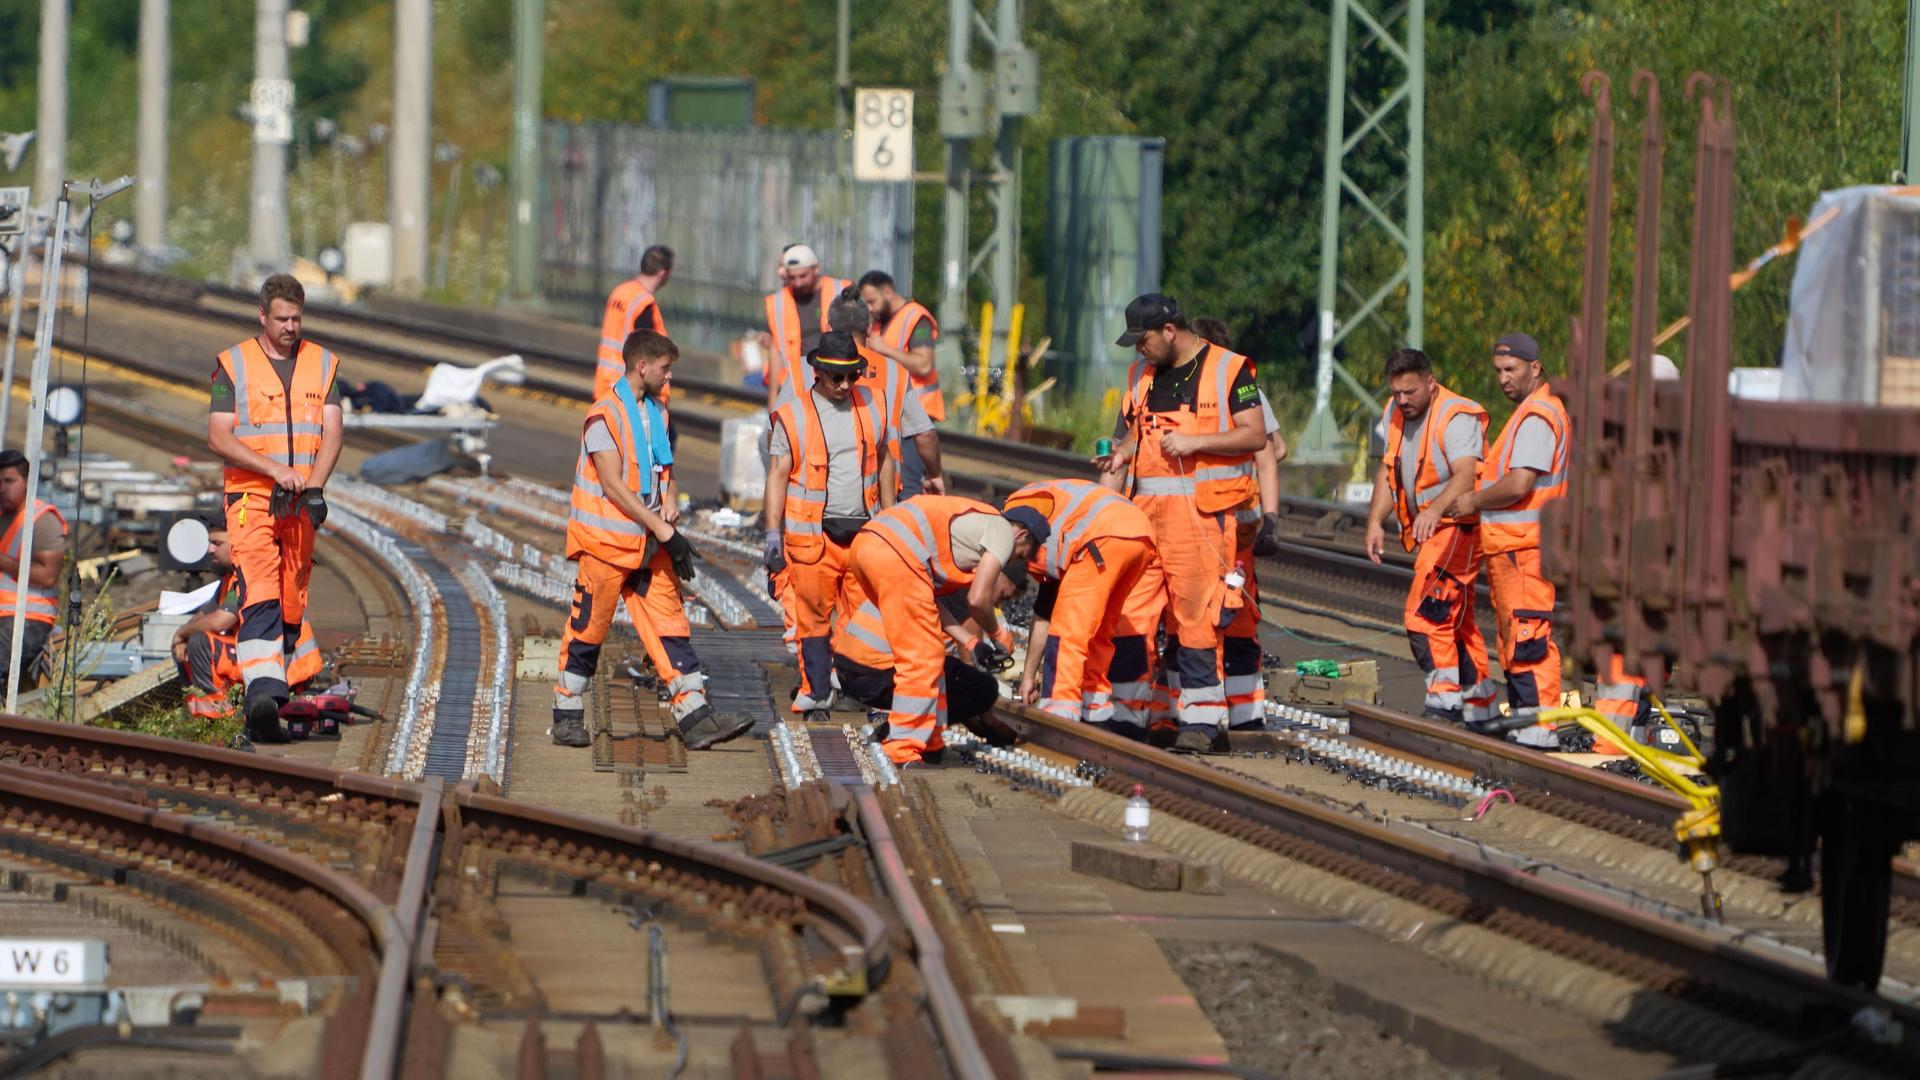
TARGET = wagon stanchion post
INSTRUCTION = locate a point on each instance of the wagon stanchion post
(1641, 550)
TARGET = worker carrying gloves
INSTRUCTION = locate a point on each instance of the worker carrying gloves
(621, 536)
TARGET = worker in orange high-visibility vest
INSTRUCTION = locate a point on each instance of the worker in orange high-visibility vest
(904, 332)
(275, 420)
(914, 434)
(906, 556)
(43, 576)
(1093, 551)
(828, 473)
(633, 305)
(203, 646)
(1191, 423)
(623, 543)
(796, 316)
(1525, 470)
(1435, 440)
(863, 663)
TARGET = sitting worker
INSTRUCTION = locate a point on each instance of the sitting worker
(828, 473)
(203, 646)
(621, 538)
(903, 559)
(1092, 550)
(43, 576)
(863, 664)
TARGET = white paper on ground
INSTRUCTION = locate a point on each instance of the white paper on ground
(186, 603)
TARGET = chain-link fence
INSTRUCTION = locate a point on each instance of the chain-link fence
(726, 202)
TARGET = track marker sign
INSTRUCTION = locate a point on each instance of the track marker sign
(882, 134)
(35, 963)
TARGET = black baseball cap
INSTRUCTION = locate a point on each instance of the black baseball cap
(1031, 520)
(13, 459)
(836, 352)
(1520, 345)
(1149, 311)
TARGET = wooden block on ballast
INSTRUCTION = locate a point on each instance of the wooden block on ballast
(1145, 866)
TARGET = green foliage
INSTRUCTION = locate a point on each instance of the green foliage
(96, 623)
(166, 718)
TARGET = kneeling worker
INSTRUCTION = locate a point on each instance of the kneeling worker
(924, 547)
(828, 473)
(1093, 550)
(621, 537)
(203, 646)
(863, 662)
(43, 576)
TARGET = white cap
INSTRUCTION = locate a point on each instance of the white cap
(1663, 368)
(799, 256)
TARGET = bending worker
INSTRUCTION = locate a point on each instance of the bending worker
(1435, 440)
(1526, 470)
(43, 576)
(633, 305)
(1192, 417)
(621, 538)
(796, 316)
(863, 664)
(904, 332)
(275, 420)
(828, 474)
(1093, 552)
(925, 546)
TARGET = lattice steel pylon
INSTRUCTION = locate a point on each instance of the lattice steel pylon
(1321, 443)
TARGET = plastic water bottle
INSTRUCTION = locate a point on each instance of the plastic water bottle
(1133, 825)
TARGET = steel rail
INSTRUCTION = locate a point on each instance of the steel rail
(1484, 887)
(386, 1027)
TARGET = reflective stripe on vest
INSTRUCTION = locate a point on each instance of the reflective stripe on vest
(810, 461)
(1517, 525)
(920, 530)
(897, 333)
(42, 603)
(282, 423)
(595, 523)
(1216, 482)
(1075, 508)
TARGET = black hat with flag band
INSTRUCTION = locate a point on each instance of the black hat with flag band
(836, 352)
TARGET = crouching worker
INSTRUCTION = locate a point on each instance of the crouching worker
(621, 537)
(20, 513)
(204, 646)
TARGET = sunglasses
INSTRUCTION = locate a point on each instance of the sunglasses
(838, 378)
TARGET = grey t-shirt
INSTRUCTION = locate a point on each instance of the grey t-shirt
(1533, 446)
(913, 414)
(844, 478)
(1461, 440)
(1266, 415)
(598, 438)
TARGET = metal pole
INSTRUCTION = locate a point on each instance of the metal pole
(36, 424)
(50, 160)
(842, 80)
(150, 202)
(1320, 442)
(267, 227)
(410, 151)
(1006, 192)
(529, 28)
(950, 351)
(1416, 171)
(1910, 98)
(16, 285)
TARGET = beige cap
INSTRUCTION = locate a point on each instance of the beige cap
(1664, 368)
(799, 256)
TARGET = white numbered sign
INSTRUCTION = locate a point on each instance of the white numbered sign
(272, 101)
(882, 134)
(41, 962)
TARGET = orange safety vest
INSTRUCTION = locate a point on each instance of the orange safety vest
(807, 476)
(1079, 513)
(616, 322)
(279, 422)
(1517, 526)
(596, 525)
(921, 530)
(1215, 482)
(1435, 470)
(783, 323)
(42, 604)
(898, 331)
(888, 382)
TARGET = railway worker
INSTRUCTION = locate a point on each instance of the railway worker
(904, 332)
(1435, 440)
(829, 472)
(1093, 554)
(913, 432)
(1525, 470)
(906, 556)
(275, 419)
(634, 304)
(796, 316)
(203, 646)
(622, 539)
(1192, 421)
(43, 576)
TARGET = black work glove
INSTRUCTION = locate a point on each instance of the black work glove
(314, 502)
(990, 657)
(681, 552)
(1267, 543)
(280, 503)
(774, 555)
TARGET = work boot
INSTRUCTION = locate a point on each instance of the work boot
(817, 716)
(1162, 735)
(570, 728)
(990, 728)
(1195, 740)
(263, 721)
(1442, 716)
(877, 725)
(701, 728)
(928, 759)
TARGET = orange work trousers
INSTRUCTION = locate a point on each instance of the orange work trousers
(1442, 629)
(274, 558)
(1622, 696)
(1130, 673)
(1089, 606)
(652, 596)
(1196, 552)
(1240, 650)
(815, 590)
(1523, 608)
(903, 591)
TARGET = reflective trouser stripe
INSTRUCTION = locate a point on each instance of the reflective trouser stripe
(261, 660)
(1100, 707)
(1478, 700)
(1062, 708)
